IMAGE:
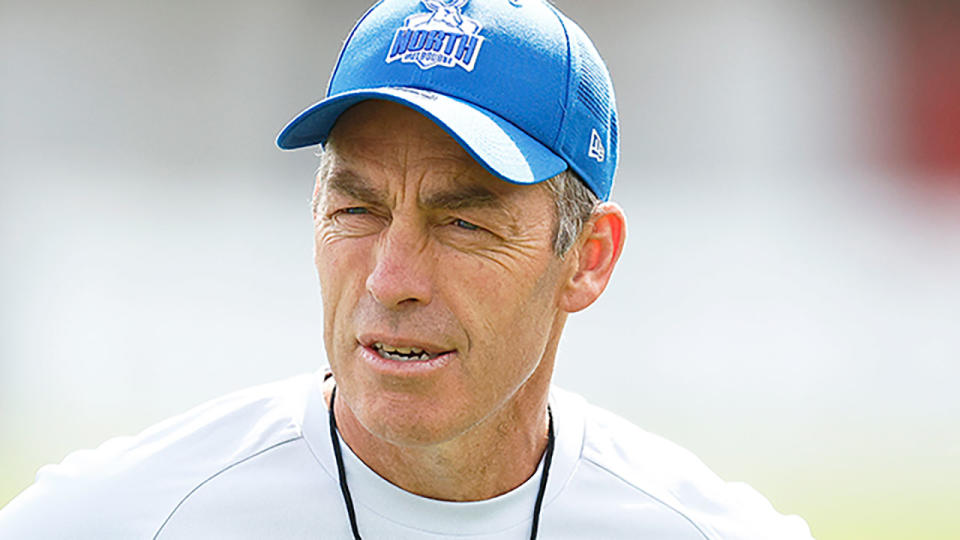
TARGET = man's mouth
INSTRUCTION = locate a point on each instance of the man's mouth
(402, 354)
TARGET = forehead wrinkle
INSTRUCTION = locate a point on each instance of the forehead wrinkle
(462, 196)
(463, 187)
(351, 184)
(465, 194)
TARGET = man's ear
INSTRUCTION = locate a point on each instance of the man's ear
(596, 253)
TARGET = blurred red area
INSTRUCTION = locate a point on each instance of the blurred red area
(929, 68)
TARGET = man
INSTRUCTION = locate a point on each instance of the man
(460, 214)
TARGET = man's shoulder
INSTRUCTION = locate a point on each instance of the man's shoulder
(659, 472)
(132, 483)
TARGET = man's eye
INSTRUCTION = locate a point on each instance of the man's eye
(354, 210)
(465, 225)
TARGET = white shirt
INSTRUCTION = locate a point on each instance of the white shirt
(259, 464)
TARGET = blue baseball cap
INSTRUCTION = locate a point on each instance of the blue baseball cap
(518, 84)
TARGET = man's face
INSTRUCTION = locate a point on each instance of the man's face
(440, 286)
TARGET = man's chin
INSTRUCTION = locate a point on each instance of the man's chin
(414, 428)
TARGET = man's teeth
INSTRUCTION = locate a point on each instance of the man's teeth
(402, 354)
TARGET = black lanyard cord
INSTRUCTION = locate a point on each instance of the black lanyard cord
(547, 459)
(348, 500)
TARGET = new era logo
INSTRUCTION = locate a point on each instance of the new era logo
(597, 149)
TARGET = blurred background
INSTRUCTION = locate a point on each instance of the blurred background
(788, 306)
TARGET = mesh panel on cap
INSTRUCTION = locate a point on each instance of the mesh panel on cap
(589, 137)
(594, 87)
(614, 130)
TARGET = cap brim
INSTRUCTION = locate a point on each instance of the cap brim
(501, 147)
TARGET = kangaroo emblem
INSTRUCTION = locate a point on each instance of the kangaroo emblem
(444, 37)
(446, 12)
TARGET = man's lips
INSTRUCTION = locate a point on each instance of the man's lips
(402, 354)
(400, 366)
(399, 349)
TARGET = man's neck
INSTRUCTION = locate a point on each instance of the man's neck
(493, 457)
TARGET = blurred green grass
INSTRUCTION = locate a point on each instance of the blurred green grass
(868, 497)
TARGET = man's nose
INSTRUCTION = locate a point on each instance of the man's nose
(401, 275)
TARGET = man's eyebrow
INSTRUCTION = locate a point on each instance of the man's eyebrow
(351, 184)
(469, 196)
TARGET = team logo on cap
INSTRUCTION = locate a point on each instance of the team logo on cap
(443, 37)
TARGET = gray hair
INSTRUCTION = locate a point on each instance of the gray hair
(574, 204)
(573, 201)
